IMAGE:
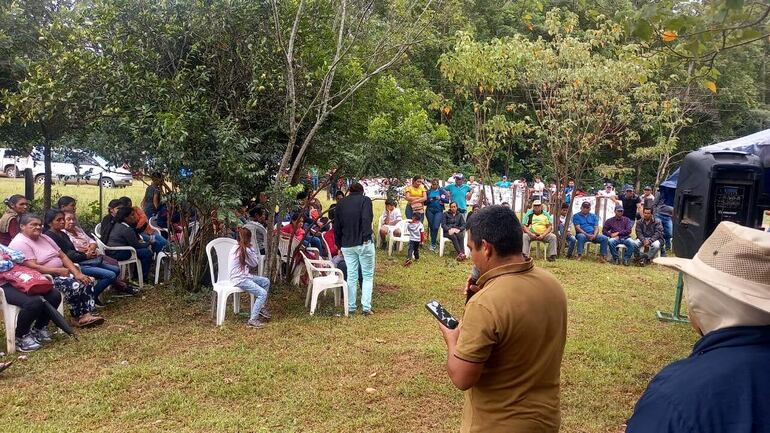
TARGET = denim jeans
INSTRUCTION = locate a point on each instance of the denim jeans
(571, 241)
(668, 231)
(143, 254)
(158, 245)
(105, 275)
(315, 242)
(628, 242)
(257, 286)
(599, 239)
(653, 248)
(434, 223)
(363, 256)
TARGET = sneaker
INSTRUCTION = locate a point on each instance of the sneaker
(579, 258)
(616, 261)
(255, 323)
(408, 262)
(551, 258)
(264, 314)
(460, 257)
(368, 312)
(27, 343)
(625, 262)
(432, 247)
(42, 335)
(602, 259)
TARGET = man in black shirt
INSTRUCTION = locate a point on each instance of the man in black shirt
(353, 234)
(630, 203)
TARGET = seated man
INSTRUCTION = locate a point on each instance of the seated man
(586, 224)
(649, 234)
(391, 216)
(538, 226)
(722, 386)
(618, 230)
(571, 241)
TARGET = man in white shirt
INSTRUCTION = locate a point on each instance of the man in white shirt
(391, 216)
(538, 187)
(474, 200)
(608, 192)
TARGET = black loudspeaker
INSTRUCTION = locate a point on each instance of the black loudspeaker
(715, 187)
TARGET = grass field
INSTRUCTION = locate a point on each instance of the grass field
(159, 363)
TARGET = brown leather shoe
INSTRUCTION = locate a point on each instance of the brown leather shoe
(88, 319)
(601, 259)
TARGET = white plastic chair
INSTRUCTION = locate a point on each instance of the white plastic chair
(220, 281)
(401, 240)
(322, 276)
(442, 240)
(153, 223)
(125, 265)
(538, 246)
(10, 316)
(284, 255)
(254, 228)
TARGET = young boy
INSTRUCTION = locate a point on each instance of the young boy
(416, 237)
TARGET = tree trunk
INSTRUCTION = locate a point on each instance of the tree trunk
(47, 164)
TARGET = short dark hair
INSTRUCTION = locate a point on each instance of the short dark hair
(114, 203)
(390, 202)
(27, 217)
(339, 193)
(257, 211)
(301, 195)
(123, 213)
(356, 187)
(417, 215)
(125, 201)
(416, 178)
(485, 224)
(564, 206)
(647, 208)
(65, 200)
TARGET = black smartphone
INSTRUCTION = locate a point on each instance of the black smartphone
(442, 315)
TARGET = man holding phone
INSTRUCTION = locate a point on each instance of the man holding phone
(506, 354)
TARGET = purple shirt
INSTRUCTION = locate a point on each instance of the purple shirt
(621, 225)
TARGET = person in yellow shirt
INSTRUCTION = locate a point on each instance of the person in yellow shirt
(538, 226)
(416, 196)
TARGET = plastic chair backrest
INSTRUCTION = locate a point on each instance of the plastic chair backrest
(283, 246)
(152, 222)
(193, 228)
(98, 231)
(222, 247)
(307, 263)
(253, 229)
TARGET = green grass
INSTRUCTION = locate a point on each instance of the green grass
(159, 363)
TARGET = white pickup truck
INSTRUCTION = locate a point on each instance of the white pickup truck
(13, 162)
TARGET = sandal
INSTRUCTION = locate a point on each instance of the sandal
(4, 365)
(88, 319)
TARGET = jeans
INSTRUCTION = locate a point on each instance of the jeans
(414, 250)
(105, 275)
(363, 256)
(143, 254)
(257, 286)
(571, 241)
(668, 230)
(599, 239)
(159, 244)
(434, 223)
(32, 309)
(315, 242)
(628, 242)
(652, 248)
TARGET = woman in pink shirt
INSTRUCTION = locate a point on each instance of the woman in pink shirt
(42, 254)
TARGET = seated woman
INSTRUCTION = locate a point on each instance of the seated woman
(241, 259)
(93, 266)
(123, 235)
(453, 226)
(42, 254)
(295, 228)
(32, 323)
(391, 216)
(9, 222)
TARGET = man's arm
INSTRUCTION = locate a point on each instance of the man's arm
(463, 374)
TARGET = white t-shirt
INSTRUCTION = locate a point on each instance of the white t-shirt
(539, 187)
(392, 218)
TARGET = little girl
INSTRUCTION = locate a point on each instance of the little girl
(241, 259)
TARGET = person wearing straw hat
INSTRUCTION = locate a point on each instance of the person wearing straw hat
(724, 385)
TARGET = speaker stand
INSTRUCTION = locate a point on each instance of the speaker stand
(675, 317)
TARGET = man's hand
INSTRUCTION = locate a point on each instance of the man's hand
(646, 243)
(470, 287)
(614, 234)
(591, 237)
(450, 335)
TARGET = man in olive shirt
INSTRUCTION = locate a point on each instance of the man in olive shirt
(506, 354)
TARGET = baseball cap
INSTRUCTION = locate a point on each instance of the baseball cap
(619, 208)
(459, 176)
(607, 184)
(648, 188)
(628, 187)
(537, 203)
(586, 204)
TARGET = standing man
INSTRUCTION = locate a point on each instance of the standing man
(506, 354)
(568, 192)
(474, 186)
(538, 226)
(630, 202)
(649, 234)
(664, 212)
(618, 230)
(586, 226)
(460, 193)
(353, 233)
(503, 183)
(646, 200)
(608, 193)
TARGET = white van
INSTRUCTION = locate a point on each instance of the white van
(80, 167)
(12, 162)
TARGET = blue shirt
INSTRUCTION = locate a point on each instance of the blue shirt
(568, 194)
(724, 386)
(435, 201)
(503, 184)
(586, 222)
(458, 194)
